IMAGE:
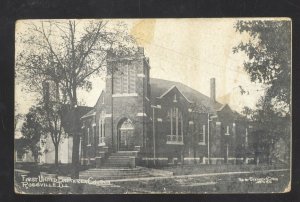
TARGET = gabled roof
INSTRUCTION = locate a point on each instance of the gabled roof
(170, 89)
(90, 113)
(99, 101)
(202, 102)
(93, 110)
(222, 107)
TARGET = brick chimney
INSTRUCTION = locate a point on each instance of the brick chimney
(213, 89)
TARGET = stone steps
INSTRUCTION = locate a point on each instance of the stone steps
(122, 159)
(120, 163)
(125, 153)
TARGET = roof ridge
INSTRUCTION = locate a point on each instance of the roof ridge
(170, 89)
(186, 86)
(89, 113)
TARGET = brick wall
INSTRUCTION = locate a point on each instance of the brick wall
(132, 106)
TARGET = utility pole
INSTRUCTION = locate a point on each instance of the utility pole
(208, 149)
(154, 156)
(112, 112)
(209, 119)
(227, 134)
(153, 132)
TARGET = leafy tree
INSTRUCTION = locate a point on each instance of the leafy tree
(269, 127)
(269, 62)
(67, 53)
(269, 56)
(32, 131)
(52, 117)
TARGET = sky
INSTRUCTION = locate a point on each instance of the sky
(190, 51)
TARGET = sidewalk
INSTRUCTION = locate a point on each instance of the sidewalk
(194, 175)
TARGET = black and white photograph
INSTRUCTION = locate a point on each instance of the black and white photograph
(153, 106)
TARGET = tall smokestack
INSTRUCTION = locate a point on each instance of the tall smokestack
(213, 89)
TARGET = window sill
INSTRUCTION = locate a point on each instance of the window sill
(125, 95)
(89, 145)
(101, 144)
(202, 143)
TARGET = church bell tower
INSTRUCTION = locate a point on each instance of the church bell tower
(128, 92)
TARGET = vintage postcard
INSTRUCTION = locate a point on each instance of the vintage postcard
(134, 106)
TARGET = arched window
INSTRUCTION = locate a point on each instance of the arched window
(175, 120)
(126, 135)
(127, 125)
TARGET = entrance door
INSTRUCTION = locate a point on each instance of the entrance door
(125, 133)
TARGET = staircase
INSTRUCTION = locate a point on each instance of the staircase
(125, 159)
(120, 165)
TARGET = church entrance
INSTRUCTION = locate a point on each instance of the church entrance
(125, 135)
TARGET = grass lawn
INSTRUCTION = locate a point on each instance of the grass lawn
(256, 181)
(204, 168)
(212, 184)
(35, 169)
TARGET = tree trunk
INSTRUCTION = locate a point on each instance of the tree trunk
(76, 138)
(35, 159)
(56, 155)
(75, 155)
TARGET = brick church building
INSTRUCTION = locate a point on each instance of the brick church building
(141, 120)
